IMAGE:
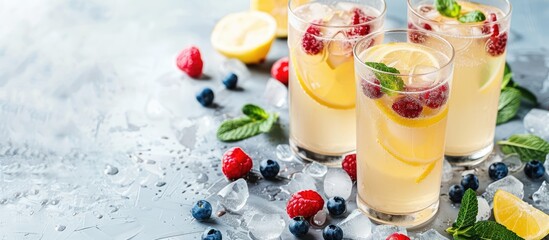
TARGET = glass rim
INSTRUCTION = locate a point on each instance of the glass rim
(431, 34)
(378, 18)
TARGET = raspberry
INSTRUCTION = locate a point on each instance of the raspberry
(436, 97)
(415, 36)
(190, 62)
(236, 163)
(427, 27)
(397, 236)
(407, 107)
(304, 203)
(371, 90)
(359, 17)
(496, 45)
(279, 71)
(349, 165)
(310, 43)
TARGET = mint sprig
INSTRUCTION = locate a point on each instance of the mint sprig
(511, 96)
(389, 82)
(448, 8)
(473, 16)
(255, 121)
(493, 230)
(527, 146)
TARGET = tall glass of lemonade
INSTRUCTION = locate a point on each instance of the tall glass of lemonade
(321, 37)
(403, 87)
(478, 30)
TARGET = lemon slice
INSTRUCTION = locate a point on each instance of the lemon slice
(491, 82)
(426, 172)
(431, 118)
(405, 57)
(519, 217)
(246, 36)
(276, 8)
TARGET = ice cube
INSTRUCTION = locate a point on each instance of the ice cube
(484, 210)
(546, 165)
(319, 219)
(536, 121)
(431, 234)
(235, 66)
(338, 183)
(266, 226)
(509, 184)
(447, 171)
(276, 93)
(284, 152)
(513, 162)
(356, 226)
(541, 197)
(316, 170)
(300, 182)
(235, 195)
(383, 231)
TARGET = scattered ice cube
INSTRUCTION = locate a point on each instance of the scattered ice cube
(338, 183)
(319, 219)
(284, 152)
(383, 231)
(431, 234)
(316, 170)
(276, 93)
(447, 171)
(235, 195)
(492, 158)
(266, 226)
(509, 184)
(546, 165)
(536, 121)
(484, 210)
(513, 162)
(235, 66)
(541, 197)
(300, 182)
(356, 226)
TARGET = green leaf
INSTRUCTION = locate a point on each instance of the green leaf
(490, 230)
(468, 211)
(527, 146)
(254, 112)
(506, 79)
(507, 69)
(266, 125)
(389, 82)
(471, 17)
(461, 233)
(448, 8)
(527, 95)
(509, 103)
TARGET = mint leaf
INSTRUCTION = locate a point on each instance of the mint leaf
(461, 233)
(254, 112)
(468, 211)
(506, 80)
(490, 230)
(509, 103)
(527, 146)
(448, 8)
(389, 82)
(255, 122)
(527, 95)
(471, 17)
(266, 125)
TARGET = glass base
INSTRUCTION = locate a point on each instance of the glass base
(471, 159)
(407, 220)
(330, 160)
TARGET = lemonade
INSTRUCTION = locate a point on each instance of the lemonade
(322, 85)
(403, 89)
(480, 61)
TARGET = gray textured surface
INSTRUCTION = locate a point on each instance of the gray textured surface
(84, 84)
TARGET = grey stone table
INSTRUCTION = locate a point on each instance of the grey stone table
(102, 137)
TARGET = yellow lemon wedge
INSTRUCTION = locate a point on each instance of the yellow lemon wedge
(405, 57)
(246, 36)
(520, 217)
(276, 8)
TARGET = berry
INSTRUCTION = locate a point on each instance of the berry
(211, 234)
(371, 89)
(469, 181)
(332, 232)
(456, 193)
(230, 81)
(427, 27)
(498, 170)
(310, 43)
(349, 165)
(279, 71)
(205, 97)
(201, 210)
(299, 226)
(190, 62)
(534, 169)
(496, 44)
(436, 97)
(304, 203)
(397, 236)
(236, 163)
(269, 168)
(336, 206)
(415, 36)
(407, 107)
(359, 17)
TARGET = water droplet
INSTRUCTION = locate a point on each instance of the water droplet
(202, 178)
(151, 161)
(110, 170)
(54, 202)
(160, 184)
(60, 228)
(99, 216)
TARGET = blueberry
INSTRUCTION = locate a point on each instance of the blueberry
(534, 169)
(332, 232)
(201, 210)
(336, 206)
(498, 170)
(456, 193)
(269, 168)
(299, 226)
(469, 181)
(230, 81)
(211, 234)
(205, 97)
